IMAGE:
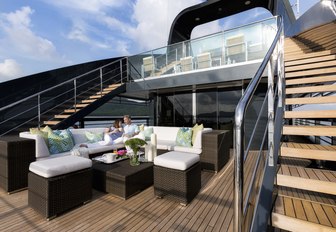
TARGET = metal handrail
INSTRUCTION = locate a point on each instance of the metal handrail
(73, 98)
(56, 86)
(239, 138)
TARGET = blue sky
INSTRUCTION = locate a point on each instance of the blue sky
(40, 35)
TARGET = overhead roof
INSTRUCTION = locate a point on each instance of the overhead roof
(209, 11)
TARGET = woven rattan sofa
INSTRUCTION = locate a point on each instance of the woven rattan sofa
(213, 146)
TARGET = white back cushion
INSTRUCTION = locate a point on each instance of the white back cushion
(79, 134)
(166, 133)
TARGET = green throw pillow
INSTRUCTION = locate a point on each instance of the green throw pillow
(47, 129)
(93, 137)
(147, 132)
(141, 127)
(37, 131)
(183, 137)
(59, 141)
(195, 130)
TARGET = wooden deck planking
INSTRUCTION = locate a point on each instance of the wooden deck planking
(211, 210)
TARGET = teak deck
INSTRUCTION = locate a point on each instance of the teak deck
(211, 210)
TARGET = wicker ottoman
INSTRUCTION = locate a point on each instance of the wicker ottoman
(58, 184)
(177, 176)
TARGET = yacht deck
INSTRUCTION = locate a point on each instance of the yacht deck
(211, 210)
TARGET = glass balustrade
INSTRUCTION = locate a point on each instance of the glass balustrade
(242, 44)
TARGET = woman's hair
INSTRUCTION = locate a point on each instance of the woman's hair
(116, 123)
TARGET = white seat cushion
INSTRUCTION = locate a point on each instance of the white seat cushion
(176, 160)
(59, 166)
(188, 149)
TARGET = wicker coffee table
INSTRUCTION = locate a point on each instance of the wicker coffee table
(121, 179)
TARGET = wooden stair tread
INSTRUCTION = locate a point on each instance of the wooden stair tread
(70, 111)
(310, 60)
(110, 88)
(309, 146)
(289, 57)
(311, 100)
(309, 130)
(53, 122)
(311, 89)
(310, 80)
(309, 151)
(81, 105)
(316, 31)
(301, 215)
(62, 116)
(102, 93)
(312, 196)
(88, 100)
(310, 114)
(317, 71)
(317, 180)
(310, 66)
(114, 85)
(95, 96)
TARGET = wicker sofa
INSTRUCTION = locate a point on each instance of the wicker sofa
(166, 140)
(213, 146)
(165, 136)
(204, 144)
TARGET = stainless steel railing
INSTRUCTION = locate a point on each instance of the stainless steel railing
(248, 209)
(111, 73)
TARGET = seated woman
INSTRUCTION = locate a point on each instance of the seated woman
(116, 130)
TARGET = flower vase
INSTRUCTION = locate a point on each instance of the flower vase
(134, 159)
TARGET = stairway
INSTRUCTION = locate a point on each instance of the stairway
(72, 114)
(306, 194)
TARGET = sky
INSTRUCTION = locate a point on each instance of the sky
(40, 35)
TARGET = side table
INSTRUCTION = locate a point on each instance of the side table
(215, 149)
(121, 179)
(15, 156)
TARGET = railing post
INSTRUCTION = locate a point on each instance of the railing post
(270, 114)
(184, 50)
(121, 71)
(75, 94)
(101, 81)
(246, 51)
(153, 65)
(39, 110)
(239, 172)
(167, 55)
(127, 70)
(281, 71)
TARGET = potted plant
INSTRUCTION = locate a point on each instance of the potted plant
(134, 144)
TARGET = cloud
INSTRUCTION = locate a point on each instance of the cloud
(135, 26)
(153, 24)
(22, 40)
(9, 69)
(91, 6)
(80, 32)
